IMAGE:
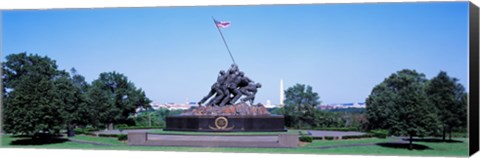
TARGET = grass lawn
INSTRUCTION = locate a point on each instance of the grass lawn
(161, 131)
(320, 143)
(104, 140)
(434, 148)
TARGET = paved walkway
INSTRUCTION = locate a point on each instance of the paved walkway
(213, 138)
(224, 138)
(123, 132)
(88, 142)
(315, 133)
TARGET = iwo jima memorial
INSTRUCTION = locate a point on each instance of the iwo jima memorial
(228, 107)
(223, 113)
(226, 110)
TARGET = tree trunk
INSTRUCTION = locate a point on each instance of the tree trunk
(444, 133)
(450, 133)
(110, 126)
(410, 145)
(70, 131)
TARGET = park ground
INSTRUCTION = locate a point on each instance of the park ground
(364, 146)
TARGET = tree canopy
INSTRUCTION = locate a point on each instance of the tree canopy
(400, 104)
(31, 104)
(39, 98)
(300, 102)
(116, 98)
(449, 98)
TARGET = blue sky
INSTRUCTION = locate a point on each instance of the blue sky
(175, 53)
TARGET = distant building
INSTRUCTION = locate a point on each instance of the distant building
(188, 105)
(171, 106)
(157, 106)
(269, 104)
(342, 106)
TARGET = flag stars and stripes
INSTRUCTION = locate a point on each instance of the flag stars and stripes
(222, 24)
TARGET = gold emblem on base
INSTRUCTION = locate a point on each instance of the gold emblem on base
(221, 123)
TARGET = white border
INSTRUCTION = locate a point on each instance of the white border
(74, 153)
(77, 153)
(49, 4)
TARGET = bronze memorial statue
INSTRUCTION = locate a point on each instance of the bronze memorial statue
(230, 87)
(223, 113)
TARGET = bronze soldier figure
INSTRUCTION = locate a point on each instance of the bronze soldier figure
(250, 92)
(215, 89)
(235, 87)
(230, 85)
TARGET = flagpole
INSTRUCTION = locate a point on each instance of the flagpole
(224, 41)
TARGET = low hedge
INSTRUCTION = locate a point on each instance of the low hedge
(337, 129)
(317, 138)
(79, 131)
(303, 133)
(306, 139)
(330, 138)
(109, 135)
(85, 130)
(357, 136)
(379, 133)
(90, 129)
(460, 134)
(121, 126)
(143, 127)
(122, 137)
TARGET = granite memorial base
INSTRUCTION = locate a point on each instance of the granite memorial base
(251, 141)
(233, 123)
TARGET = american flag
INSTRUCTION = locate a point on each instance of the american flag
(222, 24)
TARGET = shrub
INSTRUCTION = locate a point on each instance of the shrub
(357, 136)
(379, 133)
(337, 129)
(317, 138)
(86, 130)
(460, 134)
(108, 135)
(303, 133)
(122, 137)
(121, 126)
(306, 139)
(144, 127)
(329, 138)
(79, 131)
(90, 129)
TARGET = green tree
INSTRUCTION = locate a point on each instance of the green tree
(325, 119)
(116, 99)
(100, 102)
(85, 112)
(73, 102)
(448, 96)
(154, 117)
(400, 105)
(300, 103)
(148, 118)
(31, 103)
